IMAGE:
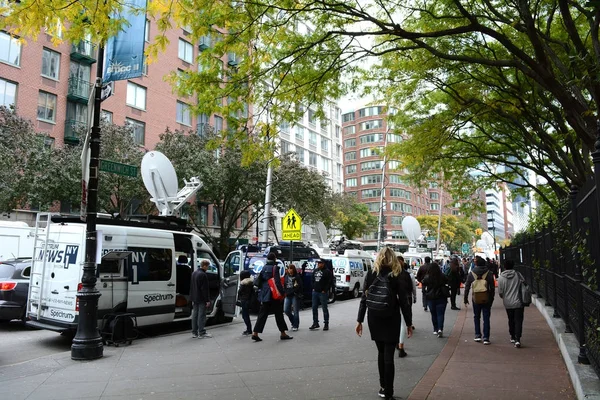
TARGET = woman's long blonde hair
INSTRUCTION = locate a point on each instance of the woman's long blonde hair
(387, 257)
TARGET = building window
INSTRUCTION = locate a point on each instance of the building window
(138, 130)
(351, 155)
(397, 220)
(284, 127)
(215, 217)
(351, 182)
(46, 107)
(371, 138)
(370, 165)
(106, 116)
(186, 51)
(50, 64)
(434, 196)
(325, 164)
(202, 124)
(338, 150)
(312, 159)
(350, 169)
(393, 138)
(348, 117)
(350, 142)
(374, 151)
(324, 144)
(370, 193)
(184, 115)
(136, 96)
(394, 206)
(370, 111)
(299, 133)
(145, 66)
(312, 120)
(300, 154)
(77, 112)
(370, 179)
(10, 49)
(349, 130)
(376, 123)
(312, 138)
(218, 124)
(394, 192)
(337, 131)
(398, 235)
(8, 93)
(396, 179)
(434, 206)
(372, 206)
(286, 147)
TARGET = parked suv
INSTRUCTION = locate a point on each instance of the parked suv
(14, 288)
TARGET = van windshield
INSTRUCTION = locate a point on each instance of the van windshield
(214, 264)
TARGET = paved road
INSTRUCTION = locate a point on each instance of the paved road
(315, 365)
(19, 343)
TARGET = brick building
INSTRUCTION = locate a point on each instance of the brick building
(364, 131)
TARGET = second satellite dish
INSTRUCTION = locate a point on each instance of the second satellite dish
(411, 228)
(159, 175)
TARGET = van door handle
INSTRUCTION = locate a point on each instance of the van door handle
(66, 287)
(54, 292)
(170, 284)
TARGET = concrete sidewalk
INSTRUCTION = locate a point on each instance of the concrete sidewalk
(469, 370)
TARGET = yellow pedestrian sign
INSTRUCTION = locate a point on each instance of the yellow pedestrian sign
(291, 226)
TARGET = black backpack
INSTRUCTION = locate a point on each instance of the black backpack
(381, 299)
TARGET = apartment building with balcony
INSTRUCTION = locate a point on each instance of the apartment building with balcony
(365, 133)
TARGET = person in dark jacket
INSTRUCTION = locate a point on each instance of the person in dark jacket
(244, 295)
(509, 289)
(322, 278)
(267, 303)
(422, 271)
(480, 271)
(407, 279)
(455, 278)
(385, 330)
(200, 298)
(293, 295)
(437, 300)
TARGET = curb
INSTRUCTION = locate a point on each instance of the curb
(583, 377)
(423, 388)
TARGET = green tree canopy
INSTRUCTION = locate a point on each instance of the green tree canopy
(454, 231)
(352, 218)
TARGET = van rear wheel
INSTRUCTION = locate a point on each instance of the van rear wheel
(355, 291)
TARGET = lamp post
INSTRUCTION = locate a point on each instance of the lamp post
(493, 232)
(87, 343)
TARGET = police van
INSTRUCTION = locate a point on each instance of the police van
(350, 270)
(138, 272)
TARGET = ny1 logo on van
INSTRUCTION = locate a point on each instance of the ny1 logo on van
(60, 254)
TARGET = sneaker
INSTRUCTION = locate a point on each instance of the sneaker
(486, 341)
(246, 333)
(402, 353)
(294, 329)
(381, 393)
(314, 326)
(204, 335)
(194, 336)
(512, 340)
(285, 337)
(440, 334)
(425, 308)
(518, 345)
(256, 338)
(326, 327)
(435, 332)
(477, 338)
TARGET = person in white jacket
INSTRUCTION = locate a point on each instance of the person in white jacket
(411, 289)
(509, 289)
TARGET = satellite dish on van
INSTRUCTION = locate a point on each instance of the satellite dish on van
(411, 228)
(159, 175)
(488, 238)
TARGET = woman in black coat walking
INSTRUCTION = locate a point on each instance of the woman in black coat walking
(435, 286)
(385, 330)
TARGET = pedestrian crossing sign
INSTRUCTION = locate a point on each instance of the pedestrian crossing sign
(291, 226)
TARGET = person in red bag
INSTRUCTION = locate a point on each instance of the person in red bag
(267, 303)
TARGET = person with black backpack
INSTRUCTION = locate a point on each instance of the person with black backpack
(384, 298)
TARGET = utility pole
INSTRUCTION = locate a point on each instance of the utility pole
(494, 233)
(380, 223)
(87, 343)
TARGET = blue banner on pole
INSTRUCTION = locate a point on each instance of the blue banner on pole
(125, 52)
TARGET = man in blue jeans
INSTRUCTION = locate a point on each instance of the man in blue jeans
(482, 300)
(322, 279)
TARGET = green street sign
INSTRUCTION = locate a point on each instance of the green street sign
(118, 168)
(465, 247)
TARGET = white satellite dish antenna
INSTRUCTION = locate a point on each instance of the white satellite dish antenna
(160, 180)
(412, 229)
(488, 239)
(481, 244)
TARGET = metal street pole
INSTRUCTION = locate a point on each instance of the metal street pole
(87, 343)
(494, 233)
(265, 222)
(380, 223)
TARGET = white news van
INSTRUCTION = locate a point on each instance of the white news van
(139, 272)
(350, 270)
(16, 240)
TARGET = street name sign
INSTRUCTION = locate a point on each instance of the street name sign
(291, 226)
(118, 168)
